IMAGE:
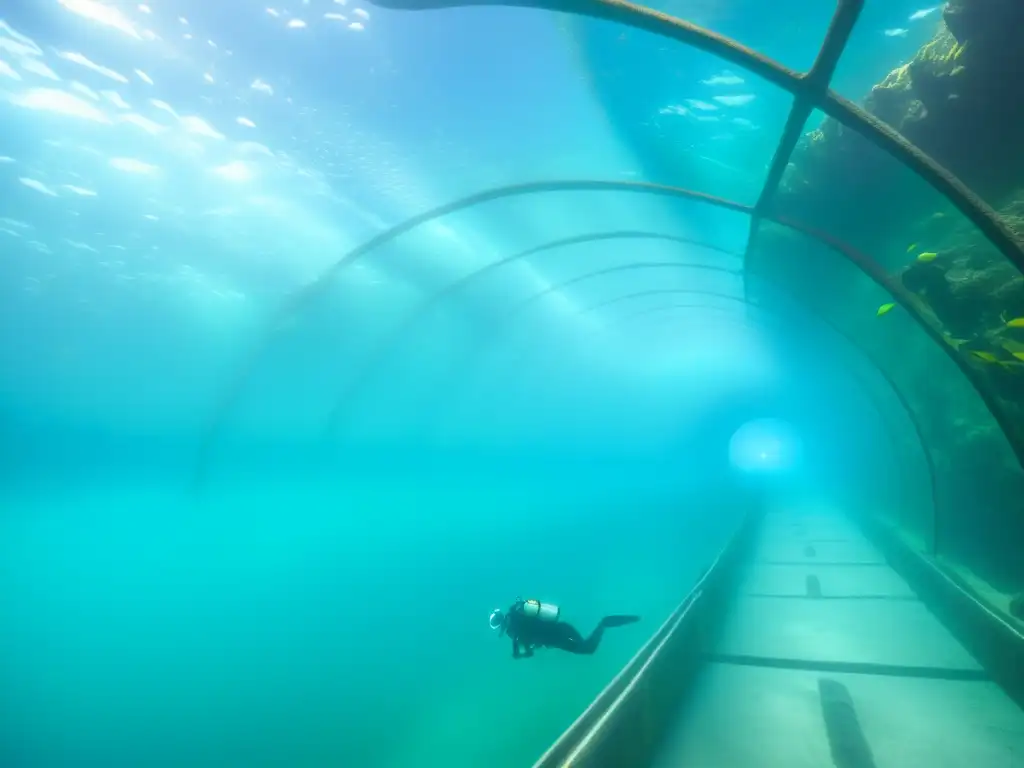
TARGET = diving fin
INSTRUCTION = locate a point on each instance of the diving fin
(619, 621)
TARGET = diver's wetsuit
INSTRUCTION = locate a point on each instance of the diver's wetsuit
(530, 632)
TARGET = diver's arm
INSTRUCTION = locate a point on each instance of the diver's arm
(515, 648)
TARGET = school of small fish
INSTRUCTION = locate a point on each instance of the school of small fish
(1015, 349)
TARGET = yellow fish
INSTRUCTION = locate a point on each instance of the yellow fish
(1016, 349)
(988, 357)
(1017, 322)
(927, 256)
(911, 247)
(884, 308)
(1005, 365)
(954, 343)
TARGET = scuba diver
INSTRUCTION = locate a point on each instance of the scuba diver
(532, 624)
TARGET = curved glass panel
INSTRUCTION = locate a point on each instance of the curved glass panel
(905, 495)
(200, 189)
(495, 402)
(976, 466)
(686, 118)
(790, 34)
(887, 36)
(926, 69)
(428, 295)
(840, 184)
(530, 238)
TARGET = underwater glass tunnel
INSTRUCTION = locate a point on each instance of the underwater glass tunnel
(333, 329)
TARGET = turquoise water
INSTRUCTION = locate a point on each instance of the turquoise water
(174, 173)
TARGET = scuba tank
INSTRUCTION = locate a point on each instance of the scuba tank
(535, 609)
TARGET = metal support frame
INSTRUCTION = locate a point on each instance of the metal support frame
(848, 339)
(849, 114)
(452, 379)
(469, 377)
(815, 90)
(979, 382)
(868, 266)
(310, 292)
(862, 384)
(412, 320)
(558, 287)
(810, 89)
(647, 311)
(860, 260)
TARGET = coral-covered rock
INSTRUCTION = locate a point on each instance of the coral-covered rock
(968, 285)
(974, 293)
(960, 99)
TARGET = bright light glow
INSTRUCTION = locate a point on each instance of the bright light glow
(764, 445)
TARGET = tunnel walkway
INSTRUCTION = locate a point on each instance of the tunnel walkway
(828, 658)
(803, 647)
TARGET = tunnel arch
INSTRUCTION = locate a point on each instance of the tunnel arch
(394, 337)
(454, 376)
(302, 297)
(862, 262)
(777, 316)
(641, 313)
(810, 89)
(629, 267)
(764, 318)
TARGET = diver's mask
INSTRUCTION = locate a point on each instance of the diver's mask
(497, 619)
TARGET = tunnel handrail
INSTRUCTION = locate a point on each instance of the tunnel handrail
(586, 730)
(607, 700)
